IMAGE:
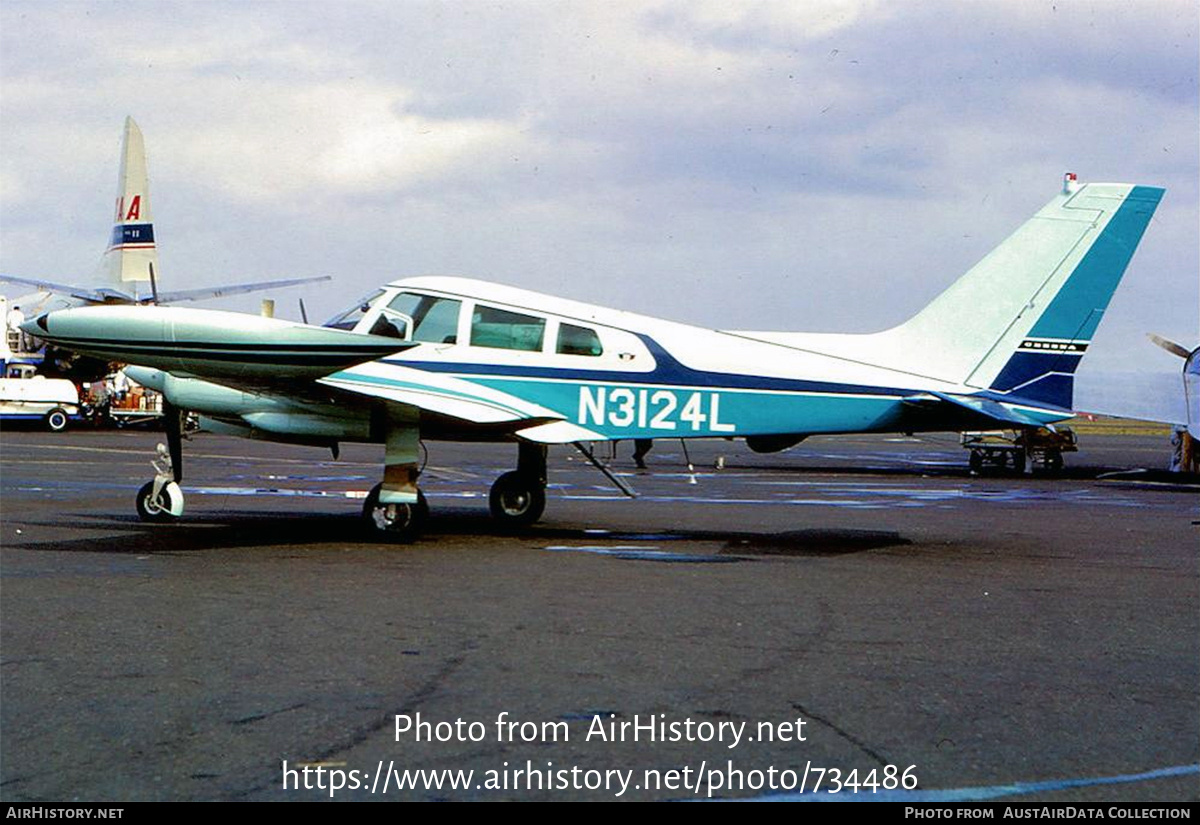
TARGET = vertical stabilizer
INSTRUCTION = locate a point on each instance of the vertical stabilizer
(131, 251)
(1018, 323)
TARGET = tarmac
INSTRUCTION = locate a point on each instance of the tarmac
(1024, 639)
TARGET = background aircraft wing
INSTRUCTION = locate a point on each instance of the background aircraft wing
(94, 296)
(178, 295)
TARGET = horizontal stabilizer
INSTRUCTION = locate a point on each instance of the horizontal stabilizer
(986, 410)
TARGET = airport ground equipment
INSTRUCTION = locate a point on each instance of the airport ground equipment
(997, 449)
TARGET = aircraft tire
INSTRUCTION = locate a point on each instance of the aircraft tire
(57, 420)
(403, 525)
(154, 509)
(517, 500)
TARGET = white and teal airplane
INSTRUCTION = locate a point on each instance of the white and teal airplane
(452, 358)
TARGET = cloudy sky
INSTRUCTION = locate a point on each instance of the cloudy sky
(781, 165)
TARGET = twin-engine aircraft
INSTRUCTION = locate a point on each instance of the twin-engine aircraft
(451, 358)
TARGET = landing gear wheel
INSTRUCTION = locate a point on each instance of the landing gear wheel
(159, 509)
(975, 462)
(57, 420)
(396, 522)
(517, 500)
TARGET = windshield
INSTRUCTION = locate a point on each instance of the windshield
(348, 319)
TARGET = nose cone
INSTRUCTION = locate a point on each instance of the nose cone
(148, 377)
(36, 326)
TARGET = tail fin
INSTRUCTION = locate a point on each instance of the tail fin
(1019, 322)
(130, 263)
(131, 251)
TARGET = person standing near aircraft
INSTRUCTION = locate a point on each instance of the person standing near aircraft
(15, 334)
(641, 447)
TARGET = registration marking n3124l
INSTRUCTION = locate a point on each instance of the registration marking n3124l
(655, 409)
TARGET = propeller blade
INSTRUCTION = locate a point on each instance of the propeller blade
(1169, 346)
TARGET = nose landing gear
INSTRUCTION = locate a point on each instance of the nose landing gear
(160, 500)
(398, 522)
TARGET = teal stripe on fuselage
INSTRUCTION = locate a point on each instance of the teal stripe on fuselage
(1076, 310)
(639, 411)
(412, 386)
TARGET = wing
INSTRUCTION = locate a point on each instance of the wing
(460, 400)
(107, 296)
(233, 289)
(92, 296)
(299, 362)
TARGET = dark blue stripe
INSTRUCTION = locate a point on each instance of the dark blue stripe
(1024, 366)
(124, 233)
(1053, 390)
(668, 370)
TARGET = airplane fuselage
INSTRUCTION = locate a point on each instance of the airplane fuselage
(640, 377)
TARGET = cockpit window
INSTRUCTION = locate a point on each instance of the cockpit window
(573, 340)
(432, 319)
(349, 318)
(501, 329)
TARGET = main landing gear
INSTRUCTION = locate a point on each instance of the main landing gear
(517, 499)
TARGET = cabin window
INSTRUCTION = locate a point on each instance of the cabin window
(573, 340)
(501, 329)
(425, 318)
